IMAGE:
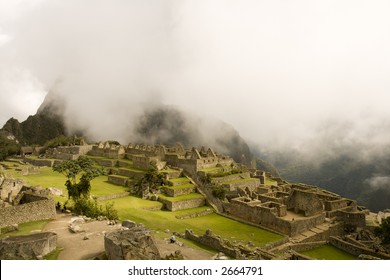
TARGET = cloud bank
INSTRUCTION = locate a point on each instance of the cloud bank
(307, 75)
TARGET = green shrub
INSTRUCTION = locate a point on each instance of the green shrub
(90, 208)
(219, 192)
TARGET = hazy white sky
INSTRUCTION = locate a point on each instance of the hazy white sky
(281, 72)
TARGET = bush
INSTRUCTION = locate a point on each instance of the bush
(219, 192)
(90, 208)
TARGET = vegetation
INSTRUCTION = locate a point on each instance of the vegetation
(8, 148)
(383, 231)
(91, 208)
(61, 140)
(151, 182)
(78, 191)
(219, 192)
(328, 252)
(83, 168)
(25, 229)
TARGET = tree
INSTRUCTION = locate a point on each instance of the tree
(8, 147)
(82, 169)
(383, 231)
(149, 183)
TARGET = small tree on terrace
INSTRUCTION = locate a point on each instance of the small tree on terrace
(82, 170)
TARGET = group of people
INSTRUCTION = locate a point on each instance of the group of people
(58, 207)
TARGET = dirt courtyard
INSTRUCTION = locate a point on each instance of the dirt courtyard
(90, 242)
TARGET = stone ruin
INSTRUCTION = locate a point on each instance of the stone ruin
(20, 203)
(28, 247)
(132, 242)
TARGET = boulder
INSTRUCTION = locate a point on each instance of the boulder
(27, 247)
(135, 243)
(54, 191)
(128, 224)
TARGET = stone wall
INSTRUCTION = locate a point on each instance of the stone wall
(335, 204)
(184, 204)
(105, 162)
(27, 247)
(75, 150)
(306, 246)
(268, 217)
(42, 209)
(134, 174)
(10, 186)
(305, 202)
(254, 183)
(233, 177)
(352, 219)
(222, 245)
(212, 241)
(118, 180)
(112, 196)
(356, 250)
(173, 192)
(39, 162)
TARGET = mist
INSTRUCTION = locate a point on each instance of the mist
(311, 76)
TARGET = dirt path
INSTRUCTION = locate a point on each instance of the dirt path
(90, 243)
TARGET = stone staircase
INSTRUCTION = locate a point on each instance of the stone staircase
(309, 235)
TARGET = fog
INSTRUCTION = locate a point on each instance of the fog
(304, 75)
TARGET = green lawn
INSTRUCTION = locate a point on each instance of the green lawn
(328, 252)
(185, 186)
(25, 229)
(241, 180)
(180, 180)
(181, 197)
(133, 208)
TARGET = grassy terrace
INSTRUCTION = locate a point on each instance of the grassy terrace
(132, 169)
(181, 197)
(185, 186)
(47, 178)
(328, 252)
(241, 180)
(180, 180)
(133, 208)
(214, 169)
(25, 229)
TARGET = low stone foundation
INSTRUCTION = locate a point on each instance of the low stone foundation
(28, 247)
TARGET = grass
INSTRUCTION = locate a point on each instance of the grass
(185, 186)
(133, 169)
(53, 255)
(180, 180)
(270, 182)
(133, 208)
(241, 180)
(181, 197)
(328, 252)
(25, 229)
(218, 168)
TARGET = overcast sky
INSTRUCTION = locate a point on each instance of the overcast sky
(281, 72)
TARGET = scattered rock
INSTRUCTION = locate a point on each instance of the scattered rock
(167, 231)
(54, 191)
(128, 224)
(14, 227)
(136, 243)
(220, 256)
(177, 255)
